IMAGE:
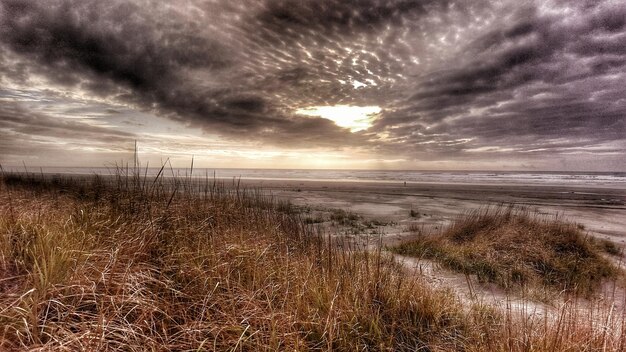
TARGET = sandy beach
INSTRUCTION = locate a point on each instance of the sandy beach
(392, 211)
(601, 210)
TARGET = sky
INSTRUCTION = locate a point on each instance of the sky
(354, 84)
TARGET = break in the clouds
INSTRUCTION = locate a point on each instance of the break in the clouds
(304, 83)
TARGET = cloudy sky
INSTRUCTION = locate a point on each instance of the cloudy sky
(384, 84)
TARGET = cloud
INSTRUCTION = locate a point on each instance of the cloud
(39, 139)
(156, 59)
(341, 17)
(16, 120)
(535, 79)
(454, 79)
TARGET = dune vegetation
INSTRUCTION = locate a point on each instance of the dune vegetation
(520, 250)
(135, 263)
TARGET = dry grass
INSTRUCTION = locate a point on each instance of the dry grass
(169, 264)
(517, 249)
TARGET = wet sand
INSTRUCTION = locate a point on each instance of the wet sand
(601, 210)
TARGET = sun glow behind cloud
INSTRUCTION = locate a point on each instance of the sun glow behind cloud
(356, 118)
(435, 84)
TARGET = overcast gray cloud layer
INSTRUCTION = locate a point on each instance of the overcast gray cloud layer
(457, 80)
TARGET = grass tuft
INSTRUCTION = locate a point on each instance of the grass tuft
(517, 249)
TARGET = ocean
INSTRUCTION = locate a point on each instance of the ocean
(590, 179)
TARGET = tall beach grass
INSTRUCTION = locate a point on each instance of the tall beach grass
(177, 264)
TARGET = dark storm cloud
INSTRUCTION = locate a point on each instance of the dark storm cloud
(452, 77)
(533, 80)
(106, 44)
(344, 17)
(151, 58)
(114, 40)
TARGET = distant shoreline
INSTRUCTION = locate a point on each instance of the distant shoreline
(600, 207)
(604, 180)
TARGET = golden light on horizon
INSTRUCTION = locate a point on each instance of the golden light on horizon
(356, 118)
